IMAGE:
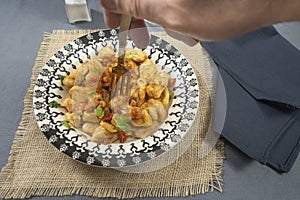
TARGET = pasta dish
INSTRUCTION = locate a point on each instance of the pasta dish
(117, 119)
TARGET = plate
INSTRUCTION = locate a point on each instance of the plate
(48, 88)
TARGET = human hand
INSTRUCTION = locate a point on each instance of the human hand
(204, 19)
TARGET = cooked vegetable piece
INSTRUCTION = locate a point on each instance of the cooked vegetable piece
(66, 124)
(54, 104)
(110, 128)
(61, 77)
(99, 112)
(122, 123)
(68, 81)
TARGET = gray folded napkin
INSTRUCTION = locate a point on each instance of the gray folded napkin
(261, 73)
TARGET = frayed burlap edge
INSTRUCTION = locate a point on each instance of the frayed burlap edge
(215, 183)
(8, 168)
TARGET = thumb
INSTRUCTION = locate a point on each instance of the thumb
(140, 9)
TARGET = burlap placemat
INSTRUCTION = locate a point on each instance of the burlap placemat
(36, 168)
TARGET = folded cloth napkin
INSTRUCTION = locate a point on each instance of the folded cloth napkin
(264, 63)
(261, 72)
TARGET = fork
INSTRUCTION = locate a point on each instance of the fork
(123, 86)
(120, 70)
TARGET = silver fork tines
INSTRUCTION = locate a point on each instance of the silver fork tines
(120, 70)
(122, 85)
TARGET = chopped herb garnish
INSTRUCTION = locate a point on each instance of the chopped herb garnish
(122, 124)
(96, 71)
(99, 112)
(171, 95)
(92, 93)
(133, 53)
(88, 78)
(123, 107)
(54, 104)
(61, 77)
(66, 124)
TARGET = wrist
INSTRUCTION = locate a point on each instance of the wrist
(292, 13)
(284, 11)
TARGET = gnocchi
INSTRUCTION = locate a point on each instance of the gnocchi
(106, 119)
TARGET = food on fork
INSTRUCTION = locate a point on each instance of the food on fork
(117, 119)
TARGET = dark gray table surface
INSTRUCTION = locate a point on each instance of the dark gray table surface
(22, 24)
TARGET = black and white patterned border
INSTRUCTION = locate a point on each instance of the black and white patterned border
(70, 141)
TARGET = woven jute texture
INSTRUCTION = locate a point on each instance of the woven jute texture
(36, 168)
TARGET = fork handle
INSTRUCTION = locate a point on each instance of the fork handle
(125, 22)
